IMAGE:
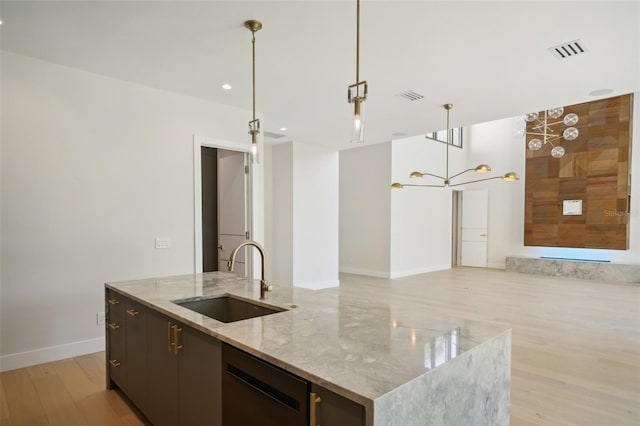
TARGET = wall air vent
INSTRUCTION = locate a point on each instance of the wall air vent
(273, 135)
(566, 50)
(411, 95)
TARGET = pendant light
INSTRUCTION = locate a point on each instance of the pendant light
(254, 125)
(357, 92)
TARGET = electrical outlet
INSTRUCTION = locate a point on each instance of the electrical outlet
(100, 318)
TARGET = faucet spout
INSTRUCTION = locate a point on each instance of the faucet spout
(264, 287)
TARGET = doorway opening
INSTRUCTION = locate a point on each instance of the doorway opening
(224, 224)
(223, 207)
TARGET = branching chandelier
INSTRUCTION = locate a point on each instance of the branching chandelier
(357, 92)
(447, 179)
(543, 132)
(254, 125)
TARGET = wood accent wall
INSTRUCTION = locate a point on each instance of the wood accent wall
(594, 169)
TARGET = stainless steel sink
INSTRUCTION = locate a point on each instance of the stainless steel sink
(227, 308)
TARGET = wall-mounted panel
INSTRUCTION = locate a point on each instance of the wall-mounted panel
(594, 170)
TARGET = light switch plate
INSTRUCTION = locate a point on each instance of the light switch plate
(163, 243)
(100, 318)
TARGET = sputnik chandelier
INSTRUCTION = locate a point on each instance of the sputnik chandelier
(254, 125)
(543, 131)
(357, 92)
(447, 179)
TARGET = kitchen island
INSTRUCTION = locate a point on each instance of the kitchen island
(395, 362)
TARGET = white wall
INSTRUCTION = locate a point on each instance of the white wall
(93, 169)
(421, 217)
(499, 144)
(305, 215)
(282, 214)
(506, 200)
(365, 210)
(315, 216)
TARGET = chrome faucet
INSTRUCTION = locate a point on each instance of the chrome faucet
(264, 287)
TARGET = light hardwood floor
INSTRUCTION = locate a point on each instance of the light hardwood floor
(575, 353)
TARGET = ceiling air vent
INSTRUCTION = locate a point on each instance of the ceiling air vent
(273, 135)
(566, 50)
(411, 95)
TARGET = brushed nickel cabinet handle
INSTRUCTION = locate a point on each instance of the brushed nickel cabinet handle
(113, 301)
(132, 312)
(114, 363)
(114, 326)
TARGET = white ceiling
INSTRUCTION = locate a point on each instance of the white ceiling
(489, 59)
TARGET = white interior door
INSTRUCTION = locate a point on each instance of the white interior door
(231, 208)
(474, 238)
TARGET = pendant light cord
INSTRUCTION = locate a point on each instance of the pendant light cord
(447, 161)
(358, 48)
(253, 60)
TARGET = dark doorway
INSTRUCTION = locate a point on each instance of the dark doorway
(209, 163)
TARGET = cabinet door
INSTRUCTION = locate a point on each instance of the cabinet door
(136, 353)
(116, 340)
(200, 382)
(332, 409)
(257, 393)
(162, 369)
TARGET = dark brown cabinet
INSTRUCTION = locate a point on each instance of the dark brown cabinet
(116, 340)
(136, 353)
(183, 374)
(178, 376)
(329, 409)
(257, 393)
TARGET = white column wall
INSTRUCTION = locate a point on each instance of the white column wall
(315, 216)
(281, 255)
(365, 210)
(93, 169)
(305, 215)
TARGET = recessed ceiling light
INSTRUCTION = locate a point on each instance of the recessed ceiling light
(283, 129)
(226, 86)
(600, 92)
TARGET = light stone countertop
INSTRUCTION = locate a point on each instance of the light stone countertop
(361, 348)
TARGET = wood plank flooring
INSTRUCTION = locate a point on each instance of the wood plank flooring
(575, 351)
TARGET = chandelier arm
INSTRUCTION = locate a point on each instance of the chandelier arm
(463, 172)
(477, 180)
(435, 176)
(424, 186)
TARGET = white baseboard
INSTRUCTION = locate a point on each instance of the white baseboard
(320, 285)
(52, 353)
(366, 272)
(409, 272)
